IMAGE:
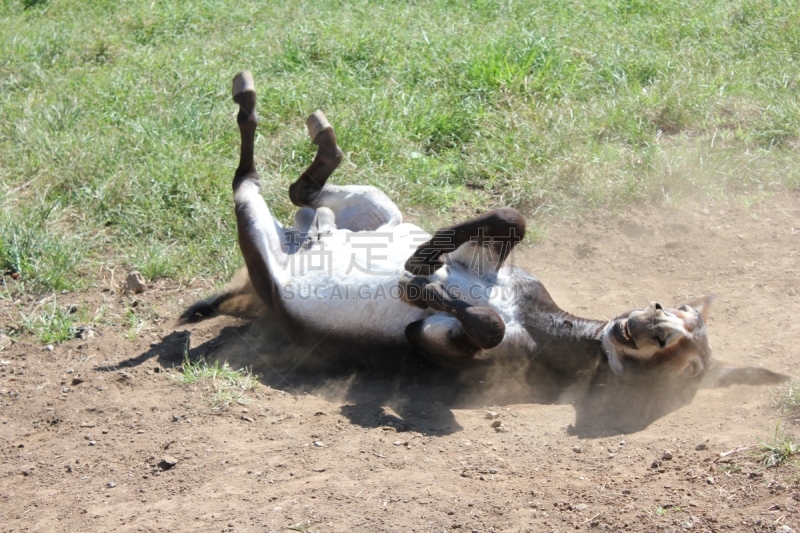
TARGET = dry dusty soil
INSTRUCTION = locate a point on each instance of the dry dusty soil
(84, 427)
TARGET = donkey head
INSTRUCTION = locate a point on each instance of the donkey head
(674, 340)
(659, 357)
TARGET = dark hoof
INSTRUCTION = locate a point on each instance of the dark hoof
(316, 124)
(458, 353)
(243, 89)
(242, 83)
(483, 325)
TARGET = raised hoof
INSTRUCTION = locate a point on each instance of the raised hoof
(242, 84)
(483, 325)
(316, 124)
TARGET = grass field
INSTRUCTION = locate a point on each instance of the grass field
(118, 140)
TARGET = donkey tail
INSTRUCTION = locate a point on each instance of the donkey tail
(238, 298)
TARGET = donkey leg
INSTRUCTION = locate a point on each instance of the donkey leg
(260, 237)
(498, 231)
(305, 190)
(355, 207)
(482, 326)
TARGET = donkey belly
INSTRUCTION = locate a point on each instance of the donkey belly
(364, 312)
(346, 286)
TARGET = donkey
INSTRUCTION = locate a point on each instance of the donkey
(351, 274)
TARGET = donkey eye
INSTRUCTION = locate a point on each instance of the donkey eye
(685, 308)
(692, 370)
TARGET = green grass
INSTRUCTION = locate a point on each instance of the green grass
(134, 324)
(118, 140)
(225, 385)
(780, 448)
(788, 400)
(49, 323)
(729, 468)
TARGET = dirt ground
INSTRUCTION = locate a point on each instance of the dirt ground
(85, 426)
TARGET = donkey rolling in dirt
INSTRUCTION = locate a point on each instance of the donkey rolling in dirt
(450, 297)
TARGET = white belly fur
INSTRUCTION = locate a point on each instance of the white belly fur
(348, 284)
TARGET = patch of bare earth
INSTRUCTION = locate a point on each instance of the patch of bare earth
(85, 428)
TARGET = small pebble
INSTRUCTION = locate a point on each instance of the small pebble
(167, 462)
(701, 446)
(5, 340)
(491, 415)
(577, 449)
(111, 484)
(319, 444)
(667, 455)
(49, 348)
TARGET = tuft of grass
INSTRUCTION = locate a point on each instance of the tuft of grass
(134, 324)
(227, 386)
(729, 468)
(788, 399)
(780, 448)
(49, 323)
(36, 252)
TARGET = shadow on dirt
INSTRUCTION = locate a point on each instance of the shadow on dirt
(400, 390)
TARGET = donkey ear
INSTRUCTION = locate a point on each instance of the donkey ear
(702, 305)
(723, 375)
